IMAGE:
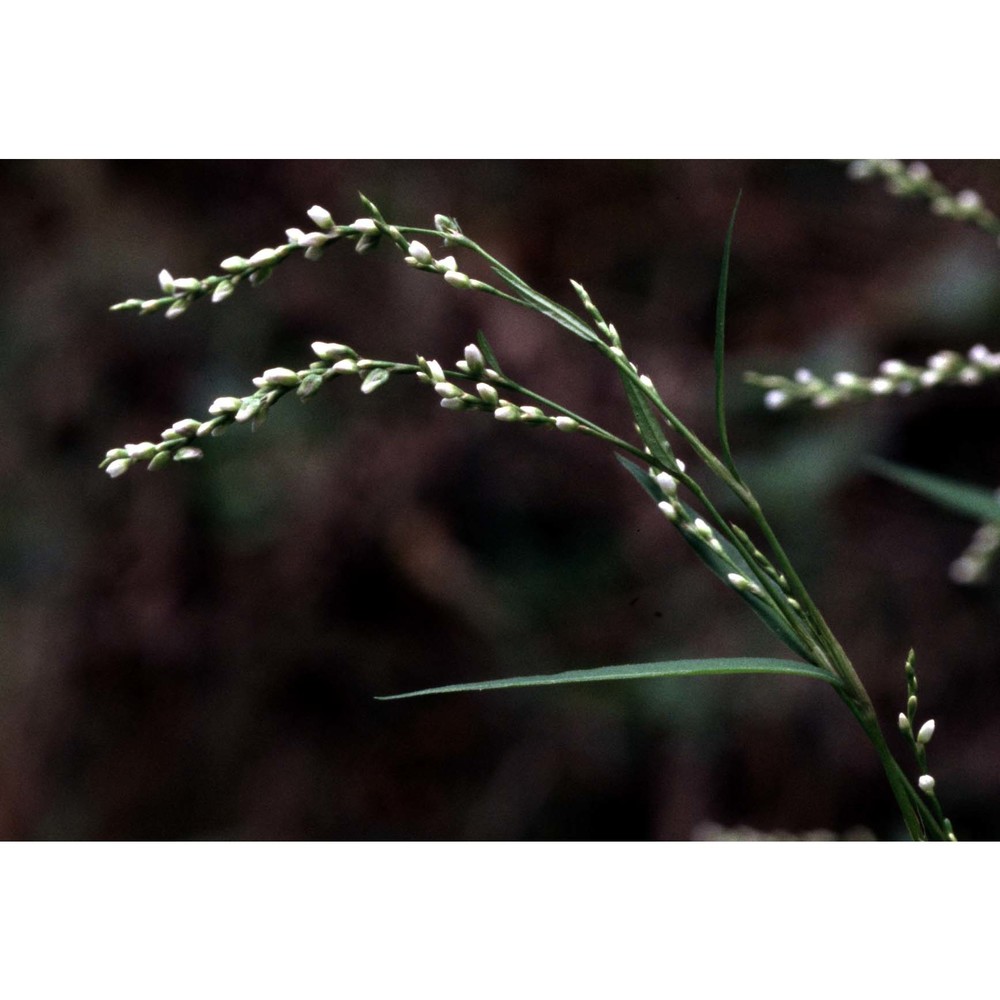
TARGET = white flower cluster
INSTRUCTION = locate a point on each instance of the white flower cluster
(179, 293)
(177, 442)
(916, 181)
(894, 377)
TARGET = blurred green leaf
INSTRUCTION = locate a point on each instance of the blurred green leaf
(960, 498)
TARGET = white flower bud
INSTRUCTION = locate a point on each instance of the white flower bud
(668, 510)
(880, 386)
(803, 376)
(918, 171)
(447, 390)
(187, 284)
(118, 467)
(367, 227)
(447, 264)
(234, 264)
(566, 424)
(487, 393)
(508, 413)
(268, 255)
(845, 379)
(420, 253)
(347, 366)
(968, 201)
(295, 236)
(775, 399)
(904, 724)
(166, 281)
(926, 732)
(331, 352)
(225, 404)
(176, 308)
(143, 450)
(280, 376)
(702, 530)
(532, 413)
(457, 280)
(454, 403)
(186, 427)
(474, 358)
(892, 367)
(667, 483)
(314, 240)
(926, 783)
(321, 217)
(222, 291)
(435, 371)
(188, 454)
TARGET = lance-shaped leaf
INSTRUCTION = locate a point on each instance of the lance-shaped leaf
(961, 498)
(640, 671)
(720, 346)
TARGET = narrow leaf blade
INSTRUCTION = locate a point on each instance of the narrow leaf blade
(639, 671)
(720, 345)
(960, 498)
(489, 355)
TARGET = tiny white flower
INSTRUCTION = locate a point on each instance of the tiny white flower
(507, 413)
(739, 582)
(234, 264)
(453, 403)
(926, 732)
(566, 424)
(447, 264)
(532, 413)
(447, 390)
(845, 379)
(314, 240)
(646, 381)
(892, 367)
(880, 386)
(775, 399)
(280, 376)
(803, 376)
(926, 783)
(970, 376)
(186, 427)
(681, 466)
(321, 217)
(918, 171)
(166, 281)
(366, 226)
(295, 236)
(187, 284)
(346, 366)
(904, 723)
(222, 291)
(188, 454)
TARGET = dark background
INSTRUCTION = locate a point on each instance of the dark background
(194, 653)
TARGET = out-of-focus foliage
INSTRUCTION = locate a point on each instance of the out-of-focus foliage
(194, 653)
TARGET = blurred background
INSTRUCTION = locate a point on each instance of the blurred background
(194, 654)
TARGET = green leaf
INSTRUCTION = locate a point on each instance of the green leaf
(640, 671)
(650, 428)
(720, 345)
(489, 356)
(961, 498)
(547, 307)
